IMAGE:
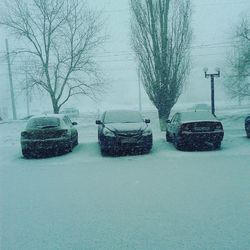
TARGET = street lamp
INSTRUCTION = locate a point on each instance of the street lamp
(212, 76)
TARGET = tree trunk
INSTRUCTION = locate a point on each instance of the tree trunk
(56, 110)
(163, 117)
(55, 105)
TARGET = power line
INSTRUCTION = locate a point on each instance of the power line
(198, 5)
(198, 46)
(221, 3)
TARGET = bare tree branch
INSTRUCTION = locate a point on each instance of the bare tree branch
(237, 80)
(62, 36)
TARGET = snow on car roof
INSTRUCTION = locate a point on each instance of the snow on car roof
(197, 116)
(121, 111)
(60, 116)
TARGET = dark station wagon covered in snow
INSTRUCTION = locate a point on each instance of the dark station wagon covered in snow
(124, 130)
(194, 129)
(48, 133)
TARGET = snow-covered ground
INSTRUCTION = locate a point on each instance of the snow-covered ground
(167, 199)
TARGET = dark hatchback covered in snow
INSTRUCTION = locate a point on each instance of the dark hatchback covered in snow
(48, 133)
(194, 129)
(124, 130)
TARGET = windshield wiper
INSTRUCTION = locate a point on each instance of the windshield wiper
(129, 122)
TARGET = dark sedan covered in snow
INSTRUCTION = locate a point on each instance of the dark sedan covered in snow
(124, 130)
(48, 133)
(194, 129)
(247, 126)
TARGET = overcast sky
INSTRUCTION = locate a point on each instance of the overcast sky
(213, 23)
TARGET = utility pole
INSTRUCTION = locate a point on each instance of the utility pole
(212, 76)
(10, 80)
(27, 93)
(139, 85)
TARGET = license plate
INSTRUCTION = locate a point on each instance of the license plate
(202, 129)
(128, 140)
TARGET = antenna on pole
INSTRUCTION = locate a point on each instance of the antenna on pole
(27, 90)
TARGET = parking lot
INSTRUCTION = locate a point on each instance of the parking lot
(167, 199)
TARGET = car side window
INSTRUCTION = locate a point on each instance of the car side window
(177, 119)
(67, 121)
(173, 119)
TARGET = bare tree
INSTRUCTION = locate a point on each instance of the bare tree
(161, 37)
(61, 37)
(237, 80)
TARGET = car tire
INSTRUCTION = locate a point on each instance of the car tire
(69, 147)
(217, 145)
(104, 151)
(76, 141)
(168, 138)
(26, 154)
(177, 144)
(248, 135)
(146, 150)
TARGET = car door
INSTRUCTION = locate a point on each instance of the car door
(73, 130)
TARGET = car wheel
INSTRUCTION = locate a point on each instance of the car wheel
(104, 151)
(147, 150)
(217, 145)
(248, 135)
(178, 145)
(26, 153)
(168, 138)
(69, 147)
(76, 141)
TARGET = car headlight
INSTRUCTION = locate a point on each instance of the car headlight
(147, 132)
(107, 132)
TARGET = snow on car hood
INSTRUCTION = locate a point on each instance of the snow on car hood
(126, 127)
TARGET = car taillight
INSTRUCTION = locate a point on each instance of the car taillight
(218, 127)
(64, 132)
(186, 127)
(24, 135)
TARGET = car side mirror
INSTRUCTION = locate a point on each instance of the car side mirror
(74, 123)
(168, 121)
(98, 122)
(147, 120)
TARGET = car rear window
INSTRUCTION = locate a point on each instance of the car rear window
(43, 122)
(197, 116)
(122, 117)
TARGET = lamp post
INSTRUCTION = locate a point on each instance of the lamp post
(212, 76)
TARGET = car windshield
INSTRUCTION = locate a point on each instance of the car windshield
(43, 122)
(123, 117)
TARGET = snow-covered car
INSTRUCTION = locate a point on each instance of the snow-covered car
(247, 126)
(48, 133)
(194, 128)
(124, 130)
(71, 112)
